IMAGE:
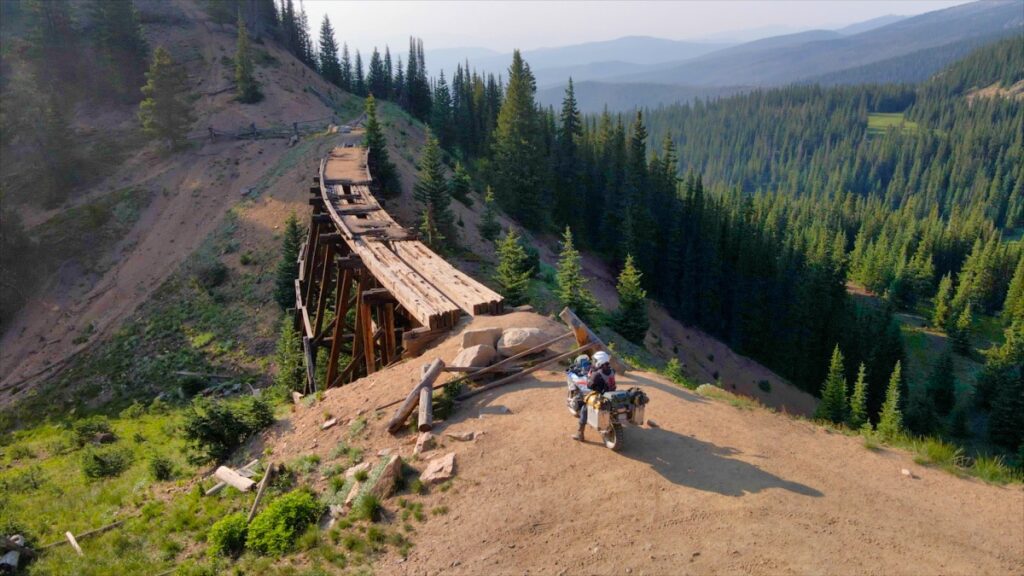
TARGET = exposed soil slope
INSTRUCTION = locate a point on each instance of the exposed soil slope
(191, 191)
(713, 489)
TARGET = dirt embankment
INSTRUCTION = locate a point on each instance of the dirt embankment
(191, 192)
(713, 489)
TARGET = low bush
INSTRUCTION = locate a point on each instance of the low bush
(366, 507)
(105, 462)
(215, 428)
(87, 429)
(211, 273)
(227, 536)
(275, 530)
(161, 467)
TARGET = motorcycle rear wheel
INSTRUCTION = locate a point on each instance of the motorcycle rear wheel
(613, 438)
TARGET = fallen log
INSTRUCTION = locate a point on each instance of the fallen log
(530, 370)
(259, 493)
(92, 532)
(402, 414)
(233, 479)
(426, 418)
(244, 471)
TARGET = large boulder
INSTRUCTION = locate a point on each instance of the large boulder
(488, 336)
(475, 356)
(516, 340)
(439, 469)
(388, 478)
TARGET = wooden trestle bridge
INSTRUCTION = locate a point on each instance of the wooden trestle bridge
(368, 292)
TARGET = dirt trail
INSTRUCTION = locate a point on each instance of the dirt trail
(713, 489)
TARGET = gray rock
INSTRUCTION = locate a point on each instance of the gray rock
(516, 340)
(488, 336)
(424, 442)
(439, 469)
(461, 436)
(477, 356)
(328, 423)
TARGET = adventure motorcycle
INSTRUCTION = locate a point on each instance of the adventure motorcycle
(606, 412)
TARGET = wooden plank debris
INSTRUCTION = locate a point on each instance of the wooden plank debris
(74, 543)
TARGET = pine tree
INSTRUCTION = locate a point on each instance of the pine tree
(330, 68)
(943, 301)
(461, 185)
(432, 195)
(518, 150)
(890, 424)
(376, 77)
(166, 112)
(287, 270)
(961, 332)
(942, 384)
(1013, 305)
(345, 72)
(833, 392)
(858, 417)
(441, 113)
(631, 319)
(512, 274)
(429, 231)
(1002, 381)
(572, 285)
(119, 39)
(377, 146)
(289, 356)
(959, 427)
(489, 226)
(920, 418)
(247, 89)
(568, 170)
(358, 80)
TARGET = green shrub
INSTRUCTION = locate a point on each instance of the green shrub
(161, 467)
(227, 536)
(366, 507)
(86, 429)
(214, 429)
(211, 273)
(134, 411)
(21, 481)
(105, 462)
(993, 469)
(20, 452)
(275, 530)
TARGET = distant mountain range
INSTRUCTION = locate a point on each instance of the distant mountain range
(642, 71)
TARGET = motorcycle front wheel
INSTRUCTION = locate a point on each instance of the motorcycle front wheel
(613, 438)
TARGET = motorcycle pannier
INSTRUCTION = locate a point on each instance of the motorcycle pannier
(597, 418)
(638, 416)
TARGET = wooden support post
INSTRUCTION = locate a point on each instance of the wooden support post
(369, 351)
(390, 346)
(426, 419)
(311, 246)
(259, 493)
(357, 343)
(427, 380)
(340, 312)
(585, 335)
(310, 362)
(326, 278)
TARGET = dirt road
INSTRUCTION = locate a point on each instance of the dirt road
(714, 489)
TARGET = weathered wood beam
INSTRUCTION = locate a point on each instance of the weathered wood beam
(585, 335)
(426, 415)
(341, 305)
(429, 374)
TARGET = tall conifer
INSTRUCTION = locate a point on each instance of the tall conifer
(833, 392)
(631, 320)
(890, 424)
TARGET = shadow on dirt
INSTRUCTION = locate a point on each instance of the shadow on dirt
(687, 461)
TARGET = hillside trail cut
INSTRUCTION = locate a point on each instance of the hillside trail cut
(713, 489)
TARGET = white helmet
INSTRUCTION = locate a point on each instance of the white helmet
(601, 358)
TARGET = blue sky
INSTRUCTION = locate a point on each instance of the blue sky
(502, 26)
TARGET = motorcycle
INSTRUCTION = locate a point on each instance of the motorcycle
(608, 412)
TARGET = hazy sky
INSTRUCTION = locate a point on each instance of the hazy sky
(526, 25)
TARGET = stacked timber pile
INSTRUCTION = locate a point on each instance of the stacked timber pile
(428, 288)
